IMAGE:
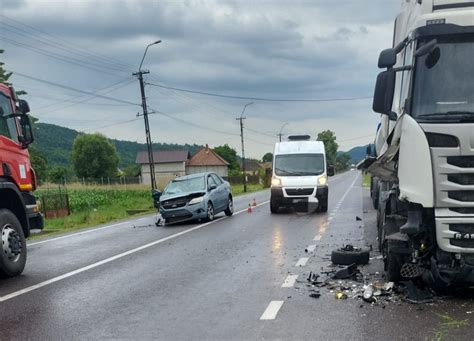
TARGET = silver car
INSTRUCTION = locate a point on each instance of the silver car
(196, 197)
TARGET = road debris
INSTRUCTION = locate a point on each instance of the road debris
(340, 295)
(417, 294)
(349, 254)
(358, 218)
(347, 272)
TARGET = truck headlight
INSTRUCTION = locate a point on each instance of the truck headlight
(196, 200)
(276, 182)
(323, 180)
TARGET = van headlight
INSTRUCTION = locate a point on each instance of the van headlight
(276, 182)
(196, 200)
(323, 180)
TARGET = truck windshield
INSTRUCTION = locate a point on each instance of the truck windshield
(443, 83)
(299, 164)
(185, 186)
(7, 124)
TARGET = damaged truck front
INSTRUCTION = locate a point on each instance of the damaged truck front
(425, 165)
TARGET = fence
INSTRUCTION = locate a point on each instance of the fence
(238, 180)
(103, 181)
(54, 203)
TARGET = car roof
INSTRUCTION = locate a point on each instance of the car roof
(192, 176)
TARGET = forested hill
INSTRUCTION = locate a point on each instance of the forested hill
(55, 143)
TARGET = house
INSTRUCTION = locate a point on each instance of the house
(168, 165)
(251, 166)
(207, 160)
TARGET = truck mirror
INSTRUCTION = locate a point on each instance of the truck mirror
(26, 137)
(383, 94)
(23, 106)
(331, 171)
(387, 58)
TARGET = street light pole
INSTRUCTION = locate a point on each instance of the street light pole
(241, 119)
(280, 134)
(139, 75)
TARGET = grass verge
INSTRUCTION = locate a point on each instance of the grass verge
(92, 206)
(366, 180)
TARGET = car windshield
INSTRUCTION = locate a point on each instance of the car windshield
(444, 89)
(188, 185)
(7, 124)
(299, 164)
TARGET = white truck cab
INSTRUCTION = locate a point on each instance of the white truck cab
(300, 175)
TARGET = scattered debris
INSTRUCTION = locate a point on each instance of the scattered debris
(314, 294)
(358, 218)
(416, 294)
(341, 295)
(347, 272)
(368, 295)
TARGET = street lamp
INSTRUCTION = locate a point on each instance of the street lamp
(241, 118)
(283, 126)
(140, 74)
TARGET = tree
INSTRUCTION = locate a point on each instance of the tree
(268, 157)
(343, 162)
(93, 156)
(58, 174)
(329, 139)
(132, 171)
(5, 75)
(230, 155)
(38, 162)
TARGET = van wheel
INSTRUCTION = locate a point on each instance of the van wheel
(273, 207)
(323, 205)
(12, 245)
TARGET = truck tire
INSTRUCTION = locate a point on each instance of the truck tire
(273, 207)
(12, 245)
(348, 257)
(374, 192)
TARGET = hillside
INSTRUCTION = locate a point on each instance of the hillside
(55, 143)
(357, 153)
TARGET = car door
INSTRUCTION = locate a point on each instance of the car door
(221, 192)
(213, 195)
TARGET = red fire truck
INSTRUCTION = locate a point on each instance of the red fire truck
(18, 209)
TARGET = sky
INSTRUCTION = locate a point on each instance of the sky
(278, 49)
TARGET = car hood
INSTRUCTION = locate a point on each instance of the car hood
(188, 195)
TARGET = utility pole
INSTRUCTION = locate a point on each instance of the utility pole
(149, 146)
(241, 119)
(280, 134)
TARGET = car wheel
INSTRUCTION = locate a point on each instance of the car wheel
(12, 245)
(210, 211)
(230, 207)
(348, 256)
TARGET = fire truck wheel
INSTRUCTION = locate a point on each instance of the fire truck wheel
(12, 245)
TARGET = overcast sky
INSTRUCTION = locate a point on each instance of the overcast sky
(318, 49)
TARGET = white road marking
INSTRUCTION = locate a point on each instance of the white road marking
(317, 238)
(272, 310)
(289, 281)
(302, 261)
(311, 248)
(111, 259)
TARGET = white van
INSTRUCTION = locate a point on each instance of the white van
(300, 175)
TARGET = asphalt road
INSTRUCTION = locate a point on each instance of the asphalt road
(235, 278)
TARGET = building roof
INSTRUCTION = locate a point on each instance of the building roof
(207, 157)
(163, 156)
(251, 165)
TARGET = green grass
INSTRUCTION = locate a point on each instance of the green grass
(95, 205)
(366, 180)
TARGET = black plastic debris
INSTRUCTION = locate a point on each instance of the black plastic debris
(347, 272)
(416, 294)
(314, 294)
(358, 218)
(350, 255)
(313, 278)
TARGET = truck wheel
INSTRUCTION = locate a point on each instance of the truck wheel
(374, 189)
(273, 207)
(12, 245)
(393, 261)
(348, 256)
(230, 207)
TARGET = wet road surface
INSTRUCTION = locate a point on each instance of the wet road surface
(235, 278)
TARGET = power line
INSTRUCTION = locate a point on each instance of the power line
(262, 99)
(113, 124)
(74, 89)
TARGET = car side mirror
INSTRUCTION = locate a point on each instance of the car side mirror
(212, 187)
(26, 137)
(384, 91)
(331, 171)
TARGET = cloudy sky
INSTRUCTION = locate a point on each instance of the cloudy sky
(278, 49)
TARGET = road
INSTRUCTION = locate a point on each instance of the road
(234, 278)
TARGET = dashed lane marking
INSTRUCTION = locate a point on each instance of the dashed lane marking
(289, 281)
(317, 238)
(302, 262)
(311, 248)
(111, 259)
(272, 310)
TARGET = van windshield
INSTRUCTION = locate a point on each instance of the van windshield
(299, 164)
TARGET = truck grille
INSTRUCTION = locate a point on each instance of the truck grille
(462, 179)
(463, 210)
(461, 161)
(299, 191)
(174, 203)
(461, 195)
(465, 243)
(462, 228)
